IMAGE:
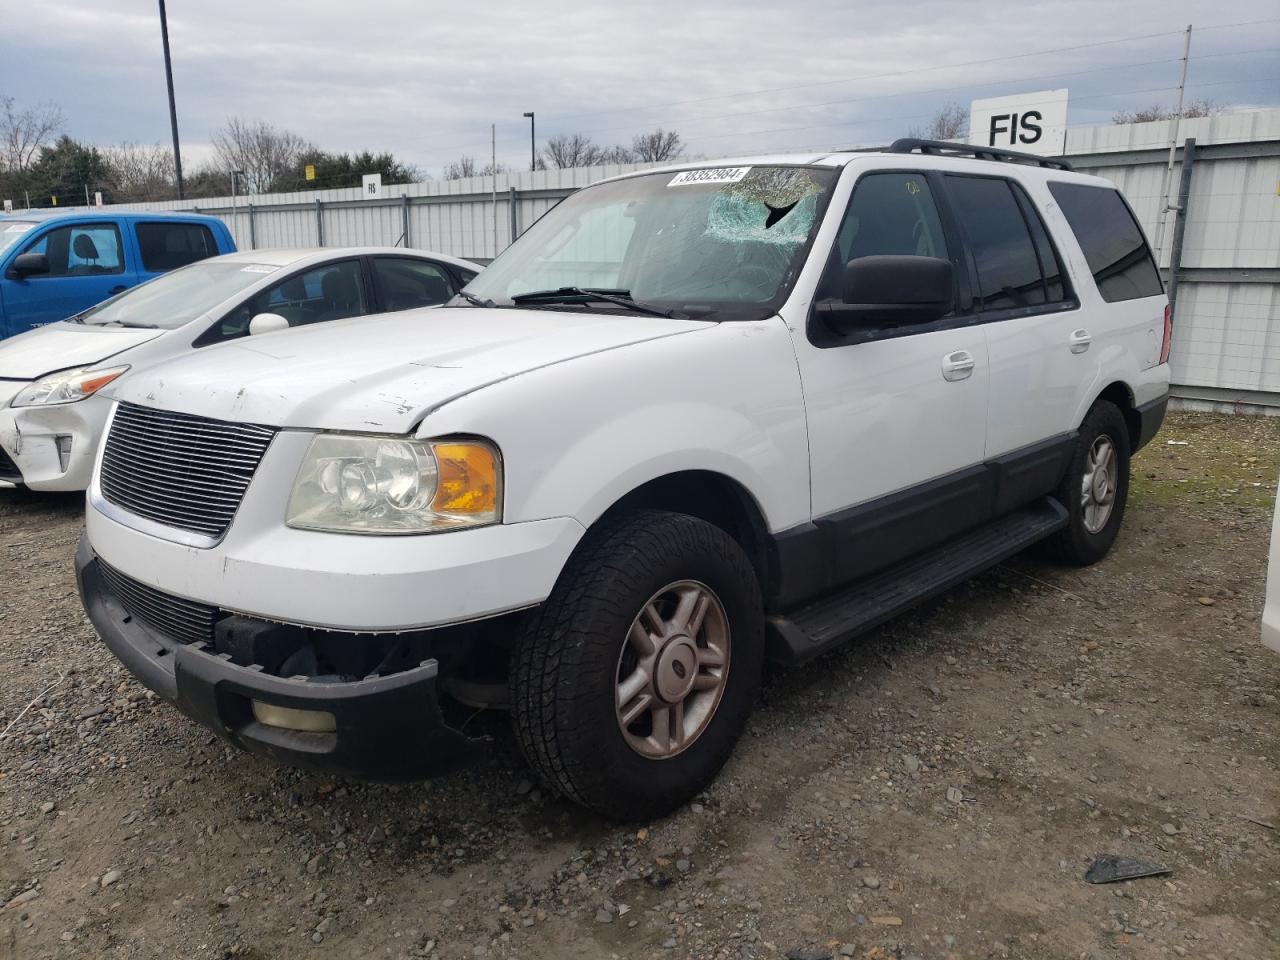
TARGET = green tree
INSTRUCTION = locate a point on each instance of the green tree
(66, 170)
(334, 170)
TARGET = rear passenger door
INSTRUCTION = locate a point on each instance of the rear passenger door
(1038, 355)
(407, 282)
(167, 245)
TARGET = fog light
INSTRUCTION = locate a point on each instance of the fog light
(64, 450)
(288, 718)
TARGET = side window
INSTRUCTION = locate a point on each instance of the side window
(167, 246)
(467, 276)
(334, 291)
(1111, 239)
(406, 283)
(1055, 283)
(80, 251)
(1003, 251)
(891, 213)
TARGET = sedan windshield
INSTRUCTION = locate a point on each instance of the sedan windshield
(725, 243)
(174, 299)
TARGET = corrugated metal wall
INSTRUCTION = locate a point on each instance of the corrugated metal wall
(1227, 328)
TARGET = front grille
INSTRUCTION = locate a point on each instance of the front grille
(183, 620)
(180, 470)
(8, 469)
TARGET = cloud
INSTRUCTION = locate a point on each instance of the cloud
(426, 79)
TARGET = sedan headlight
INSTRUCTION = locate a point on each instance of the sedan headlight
(368, 484)
(66, 386)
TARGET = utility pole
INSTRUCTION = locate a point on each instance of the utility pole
(1165, 206)
(173, 109)
(533, 145)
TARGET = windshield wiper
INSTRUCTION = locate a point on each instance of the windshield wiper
(475, 301)
(584, 295)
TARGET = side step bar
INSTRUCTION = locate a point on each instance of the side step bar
(826, 623)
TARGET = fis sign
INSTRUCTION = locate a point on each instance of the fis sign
(1030, 122)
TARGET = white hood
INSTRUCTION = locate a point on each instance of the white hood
(380, 374)
(60, 346)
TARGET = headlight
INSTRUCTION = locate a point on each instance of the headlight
(368, 484)
(67, 386)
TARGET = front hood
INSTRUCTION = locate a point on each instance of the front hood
(60, 346)
(380, 374)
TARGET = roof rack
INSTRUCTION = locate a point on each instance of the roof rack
(944, 148)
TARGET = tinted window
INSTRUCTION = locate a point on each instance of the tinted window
(80, 251)
(332, 292)
(408, 283)
(891, 213)
(1112, 242)
(1056, 287)
(1003, 251)
(167, 246)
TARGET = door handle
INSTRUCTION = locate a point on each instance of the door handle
(1080, 341)
(957, 366)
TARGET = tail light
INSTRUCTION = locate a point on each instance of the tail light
(1168, 333)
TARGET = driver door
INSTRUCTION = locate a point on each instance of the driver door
(897, 419)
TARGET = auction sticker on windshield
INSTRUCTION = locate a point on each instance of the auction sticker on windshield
(713, 175)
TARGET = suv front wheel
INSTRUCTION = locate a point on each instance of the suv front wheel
(631, 684)
(1095, 488)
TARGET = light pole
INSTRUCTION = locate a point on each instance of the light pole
(533, 144)
(173, 110)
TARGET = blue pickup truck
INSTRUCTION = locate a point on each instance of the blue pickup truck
(54, 265)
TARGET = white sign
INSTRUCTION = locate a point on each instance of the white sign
(8, 206)
(373, 186)
(712, 175)
(1029, 122)
(97, 198)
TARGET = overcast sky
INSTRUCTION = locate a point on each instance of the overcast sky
(425, 80)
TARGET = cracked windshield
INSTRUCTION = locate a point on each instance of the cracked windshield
(723, 243)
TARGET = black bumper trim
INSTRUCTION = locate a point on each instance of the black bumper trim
(1150, 418)
(388, 728)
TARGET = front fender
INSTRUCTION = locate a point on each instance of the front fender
(578, 436)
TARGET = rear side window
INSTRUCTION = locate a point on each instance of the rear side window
(1112, 241)
(409, 283)
(1004, 253)
(167, 246)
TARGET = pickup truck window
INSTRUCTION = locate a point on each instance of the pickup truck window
(723, 243)
(80, 251)
(167, 246)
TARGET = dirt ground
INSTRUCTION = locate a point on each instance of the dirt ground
(934, 791)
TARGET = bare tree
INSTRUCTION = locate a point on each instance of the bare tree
(572, 150)
(1196, 108)
(24, 132)
(264, 152)
(466, 166)
(140, 171)
(656, 145)
(951, 122)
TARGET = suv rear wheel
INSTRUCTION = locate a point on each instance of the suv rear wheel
(1095, 488)
(632, 683)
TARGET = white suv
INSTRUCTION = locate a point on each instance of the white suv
(692, 419)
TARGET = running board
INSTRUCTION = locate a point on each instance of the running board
(826, 623)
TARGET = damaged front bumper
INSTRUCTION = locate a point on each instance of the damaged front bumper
(384, 726)
(50, 448)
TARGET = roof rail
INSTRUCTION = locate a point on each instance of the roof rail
(944, 148)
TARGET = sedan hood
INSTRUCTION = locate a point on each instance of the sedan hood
(380, 374)
(60, 346)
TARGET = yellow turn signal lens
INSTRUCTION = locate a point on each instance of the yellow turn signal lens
(468, 484)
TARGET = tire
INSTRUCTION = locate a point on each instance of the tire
(1084, 540)
(608, 605)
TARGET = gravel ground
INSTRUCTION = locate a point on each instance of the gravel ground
(934, 791)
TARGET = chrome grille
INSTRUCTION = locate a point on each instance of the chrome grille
(183, 620)
(180, 470)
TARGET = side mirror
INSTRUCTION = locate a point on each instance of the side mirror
(267, 323)
(27, 264)
(890, 291)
